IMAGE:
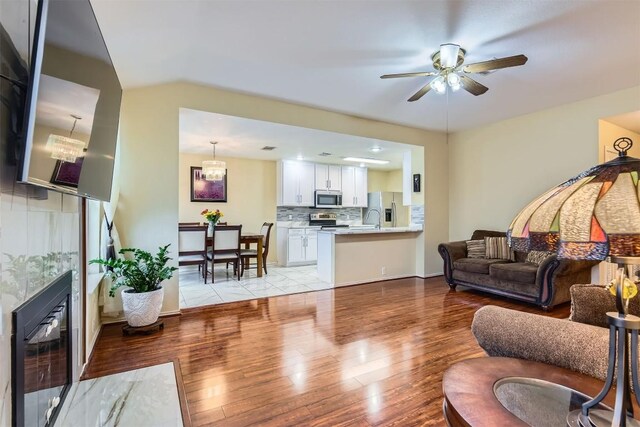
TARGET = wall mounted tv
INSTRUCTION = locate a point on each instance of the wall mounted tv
(73, 103)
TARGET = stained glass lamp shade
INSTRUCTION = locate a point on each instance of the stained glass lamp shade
(593, 216)
(589, 217)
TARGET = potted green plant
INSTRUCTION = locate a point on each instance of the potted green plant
(143, 275)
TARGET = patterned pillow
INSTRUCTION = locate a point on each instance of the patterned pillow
(497, 248)
(537, 257)
(476, 248)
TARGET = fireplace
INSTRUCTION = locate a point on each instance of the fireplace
(41, 362)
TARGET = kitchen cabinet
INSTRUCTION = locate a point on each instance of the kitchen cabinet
(297, 246)
(328, 177)
(354, 187)
(295, 183)
(311, 246)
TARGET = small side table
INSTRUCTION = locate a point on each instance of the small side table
(500, 391)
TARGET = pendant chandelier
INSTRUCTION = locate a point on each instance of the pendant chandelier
(65, 148)
(214, 170)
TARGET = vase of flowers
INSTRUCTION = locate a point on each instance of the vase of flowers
(212, 218)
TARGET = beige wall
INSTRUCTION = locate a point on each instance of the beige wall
(251, 194)
(382, 180)
(149, 176)
(607, 135)
(495, 170)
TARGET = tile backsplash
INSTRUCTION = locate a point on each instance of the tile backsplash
(302, 214)
(417, 214)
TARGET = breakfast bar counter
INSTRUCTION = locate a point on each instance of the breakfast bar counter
(350, 256)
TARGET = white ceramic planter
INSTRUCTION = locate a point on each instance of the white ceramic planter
(142, 309)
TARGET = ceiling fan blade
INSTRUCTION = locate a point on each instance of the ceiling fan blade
(419, 94)
(395, 76)
(495, 64)
(473, 86)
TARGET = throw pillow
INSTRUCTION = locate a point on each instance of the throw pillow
(476, 248)
(497, 248)
(537, 257)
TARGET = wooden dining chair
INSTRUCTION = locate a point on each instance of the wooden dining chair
(188, 223)
(192, 246)
(247, 254)
(225, 247)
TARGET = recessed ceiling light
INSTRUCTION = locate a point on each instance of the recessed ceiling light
(300, 157)
(361, 165)
(375, 149)
(364, 160)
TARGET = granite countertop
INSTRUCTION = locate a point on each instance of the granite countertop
(305, 224)
(384, 230)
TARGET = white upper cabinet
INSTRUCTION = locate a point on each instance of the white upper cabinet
(307, 176)
(354, 186)
(296, 183)
(328, 177)
(361, 187)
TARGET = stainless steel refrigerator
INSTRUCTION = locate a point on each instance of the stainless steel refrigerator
(389, 206)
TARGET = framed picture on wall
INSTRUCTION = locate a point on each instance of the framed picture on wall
(207, 191)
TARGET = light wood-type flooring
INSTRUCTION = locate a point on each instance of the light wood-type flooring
(364, 355)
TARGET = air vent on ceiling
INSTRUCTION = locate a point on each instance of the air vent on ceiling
(268, 148)
(324, 154)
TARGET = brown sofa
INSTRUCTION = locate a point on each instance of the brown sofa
(546, 284)
(509, 333)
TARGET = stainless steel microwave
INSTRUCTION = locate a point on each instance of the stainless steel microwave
(328, 199)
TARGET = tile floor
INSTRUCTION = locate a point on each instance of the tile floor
(279, 281)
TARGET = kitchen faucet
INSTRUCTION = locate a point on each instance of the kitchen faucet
(378, 226)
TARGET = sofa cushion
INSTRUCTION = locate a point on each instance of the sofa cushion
(497, 247)
(476, 265)
(476, 249)
(523, 272)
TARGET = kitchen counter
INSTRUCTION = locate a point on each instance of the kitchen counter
(362, 255)
(370, 230)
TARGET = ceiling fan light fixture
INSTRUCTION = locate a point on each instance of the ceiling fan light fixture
(449, 55)
(438, 85)
(453, 80)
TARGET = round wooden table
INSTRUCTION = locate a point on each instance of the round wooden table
(470, 397)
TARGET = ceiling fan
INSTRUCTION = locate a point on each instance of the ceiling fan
(450, 71)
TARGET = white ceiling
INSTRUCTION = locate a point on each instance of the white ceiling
(244, 138)
(630, 121)
(330, 54)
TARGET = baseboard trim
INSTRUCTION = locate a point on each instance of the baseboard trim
(427, 276)
(359, 282)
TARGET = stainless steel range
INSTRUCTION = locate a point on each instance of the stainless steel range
(328, 221)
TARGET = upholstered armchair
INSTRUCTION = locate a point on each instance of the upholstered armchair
(580, 343)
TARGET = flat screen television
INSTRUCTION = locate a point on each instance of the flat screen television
(73, 103)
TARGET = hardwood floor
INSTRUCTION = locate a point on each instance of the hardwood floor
(363, 355)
